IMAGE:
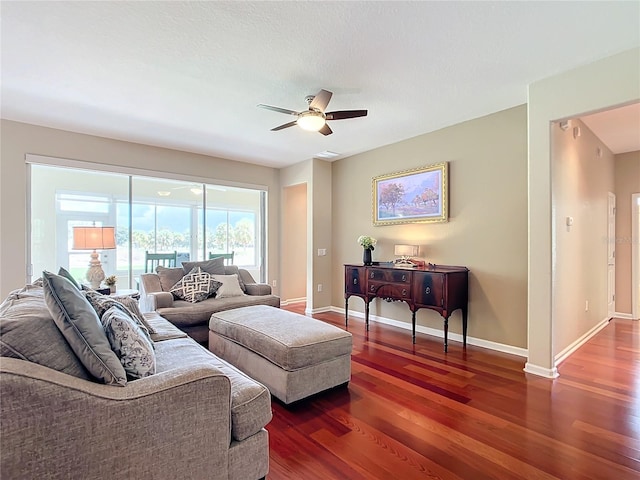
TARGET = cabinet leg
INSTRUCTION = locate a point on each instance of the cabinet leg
(366, 316)
(346, 312)
(464, 327)
(446, 334)
(413, 326)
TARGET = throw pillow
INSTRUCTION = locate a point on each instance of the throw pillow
(102, 303)
(169, 276)
(27, 332)
(134, 307)
(212, 267)
(230, 270)
(64, 273)
(129, 343)
(230, 286)
(80, 325)
(195, 286)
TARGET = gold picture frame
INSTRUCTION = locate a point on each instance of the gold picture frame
(419, 195)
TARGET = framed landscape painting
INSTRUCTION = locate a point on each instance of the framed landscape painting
(411, 196)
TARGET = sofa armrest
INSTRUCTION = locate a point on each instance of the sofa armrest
(152, 296)
(53, 424)
(258, 288)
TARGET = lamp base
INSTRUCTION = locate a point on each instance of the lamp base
(404, 260)
(95, 274)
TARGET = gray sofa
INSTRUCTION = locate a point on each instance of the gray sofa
(197, 417)
(193, 318)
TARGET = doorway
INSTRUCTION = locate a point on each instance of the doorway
(635, 256)
(294, 245)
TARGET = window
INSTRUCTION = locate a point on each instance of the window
(150, 215)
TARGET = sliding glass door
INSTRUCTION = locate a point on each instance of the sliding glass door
(151, 215)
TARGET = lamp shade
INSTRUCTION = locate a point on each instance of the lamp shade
(406, 250)
(94, 238)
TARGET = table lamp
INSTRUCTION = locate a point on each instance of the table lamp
(94, 238)
(405, 252)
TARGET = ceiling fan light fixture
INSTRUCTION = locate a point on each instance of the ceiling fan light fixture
(311, 121)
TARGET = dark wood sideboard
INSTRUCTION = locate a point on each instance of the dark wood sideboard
(441, 288)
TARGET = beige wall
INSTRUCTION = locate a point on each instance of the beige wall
(486, 231)
(294, 243)
(19, 139)
(609, 82)
(581, 182)
(627, 178)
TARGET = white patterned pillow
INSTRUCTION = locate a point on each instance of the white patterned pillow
(195, 286)
(129, 343)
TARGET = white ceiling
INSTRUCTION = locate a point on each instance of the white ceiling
(618, 129)
(188, 75)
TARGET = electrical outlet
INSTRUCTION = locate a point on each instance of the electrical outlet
(274, 283)
(319, 287)
(322, 252)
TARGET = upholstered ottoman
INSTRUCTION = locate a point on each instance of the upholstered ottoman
(292, 355)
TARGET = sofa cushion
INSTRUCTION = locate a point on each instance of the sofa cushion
(212, 267)
(169, 276)
(229, 286)
(195, 286)
(79, 323)
(250, 400)
(186, 314)
(163, 329)
(129, 342)
(28, 332)
(102, 303)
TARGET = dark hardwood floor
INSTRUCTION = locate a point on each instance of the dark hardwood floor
(414, 412)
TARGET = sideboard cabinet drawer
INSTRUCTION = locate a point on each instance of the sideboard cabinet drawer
(389, 275)
(389, 290)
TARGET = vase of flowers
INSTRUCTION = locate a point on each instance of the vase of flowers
(110, 282)
(368, 244)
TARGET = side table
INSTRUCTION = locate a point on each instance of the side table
(127, 292)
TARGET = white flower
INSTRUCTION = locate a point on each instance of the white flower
(367, 242)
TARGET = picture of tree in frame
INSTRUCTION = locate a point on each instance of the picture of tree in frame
(419, 195)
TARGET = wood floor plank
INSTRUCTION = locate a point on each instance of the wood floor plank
(414, 412)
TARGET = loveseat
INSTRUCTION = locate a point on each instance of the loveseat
(193, 317)
(196, 417)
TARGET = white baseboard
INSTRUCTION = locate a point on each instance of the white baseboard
(292, 301)
(311, 311)
(540, 371)
(625, 316)
(560, 357)
(500, 347)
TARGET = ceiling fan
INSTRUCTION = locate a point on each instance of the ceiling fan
(314, 119)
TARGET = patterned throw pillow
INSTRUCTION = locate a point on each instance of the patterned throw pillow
(129, 343)
(134, 307)
(195, 286)
(102, 303)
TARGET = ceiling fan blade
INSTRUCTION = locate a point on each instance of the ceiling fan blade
(343, 114)
(326, 130)
(321, 100)
(286, 125)
(277, 109)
